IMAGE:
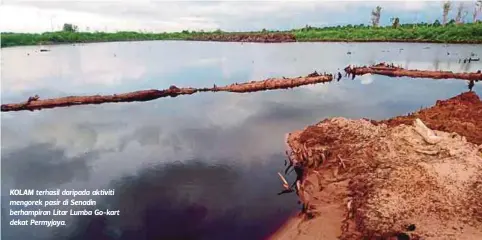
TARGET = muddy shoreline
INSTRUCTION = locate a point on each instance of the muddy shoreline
(35, 103)
(412, 177)
(391, 70)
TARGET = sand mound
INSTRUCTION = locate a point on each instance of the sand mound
(461, 114)
(385, 181)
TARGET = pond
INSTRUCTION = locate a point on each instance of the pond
(192, 167)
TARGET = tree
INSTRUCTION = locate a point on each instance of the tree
(436, 23)
(477, 10)
(376, 13)
(395, 22)
(69, 27)
(446, 9)
(461, 14)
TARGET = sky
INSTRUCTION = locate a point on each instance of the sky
(168, 16)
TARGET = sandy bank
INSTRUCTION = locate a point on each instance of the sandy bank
(461, 114)
(371, 180)
(394, 71)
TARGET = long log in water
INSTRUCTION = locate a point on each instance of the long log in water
(137, 96)
(275, 83)
(173, 91)
(393, 71)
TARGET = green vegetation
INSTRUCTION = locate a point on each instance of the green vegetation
(22, 39)
(453, 31)
(422, 32)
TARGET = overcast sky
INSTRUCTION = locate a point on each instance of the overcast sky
(115, 15)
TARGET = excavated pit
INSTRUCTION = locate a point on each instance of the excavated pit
(371, 180)
(34, 103)
(394, 71)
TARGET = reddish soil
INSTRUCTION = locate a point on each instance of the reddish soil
(461, 114)
(394, 71)
(378, 180)
(246, 37)
(34, 103)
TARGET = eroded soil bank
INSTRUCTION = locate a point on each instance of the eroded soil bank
(392, 179)
(34, 103)
(246, 37)
(394, 71)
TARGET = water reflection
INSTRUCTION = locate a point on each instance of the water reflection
(236, 139)
(44, 165)
(193, 200)
(92, 68)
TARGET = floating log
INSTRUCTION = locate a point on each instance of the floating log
(137, 96)
(275, 83)
(394, 71)
(34, 103)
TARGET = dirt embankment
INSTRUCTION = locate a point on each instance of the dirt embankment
(391, 181)
(394, 71)
(34, 103)
(246, 37)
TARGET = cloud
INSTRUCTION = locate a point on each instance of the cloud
(38, 16)
(43, 166)
(366, 79)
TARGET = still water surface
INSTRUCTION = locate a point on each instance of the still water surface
(192, 167)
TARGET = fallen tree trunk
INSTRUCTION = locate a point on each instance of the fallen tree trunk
(394, 71)
(137, 96)
(275, 83)
(34, 103)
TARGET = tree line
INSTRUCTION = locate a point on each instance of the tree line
(447, 6)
